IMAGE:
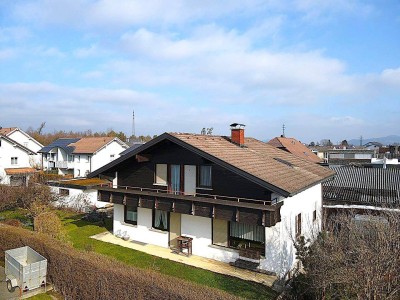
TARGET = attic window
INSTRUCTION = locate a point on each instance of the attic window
(282, 161)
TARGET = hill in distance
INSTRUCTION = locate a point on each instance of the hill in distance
(386, 140)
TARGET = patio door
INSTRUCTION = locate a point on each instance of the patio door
(190, 180)
(174, 229)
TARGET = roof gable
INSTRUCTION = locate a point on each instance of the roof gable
(295, 147)
(257, 161)
(11, 141)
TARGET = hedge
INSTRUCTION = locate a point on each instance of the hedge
(87, 275)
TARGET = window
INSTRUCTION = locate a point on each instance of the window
(78, 173)
(160, 219)
(79, 158)
(25, 144)
(70, 158)
(205, 176)
(247, 236)
(298, 225)
(63, 192)
(14, 160)
(314, 215)
(161, 174)
(130, 215)
(87, 158)
(112, 156)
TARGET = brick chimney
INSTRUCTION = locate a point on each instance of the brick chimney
(237, 134)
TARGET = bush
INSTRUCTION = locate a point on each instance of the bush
(13, 222)
(49, 223)
(87, 275)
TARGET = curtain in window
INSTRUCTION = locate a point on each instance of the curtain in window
(160, 219)
(247, 232)
(175, 179)
(131, 214)
(205, 176)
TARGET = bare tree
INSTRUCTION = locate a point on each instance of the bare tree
(352, 259)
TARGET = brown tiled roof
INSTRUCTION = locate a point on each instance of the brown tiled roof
(276, 167)
(15, 171)
(295, 147)
(90, 145)
(6, 131)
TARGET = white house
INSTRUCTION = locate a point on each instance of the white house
(79, 194)
(25, 140)
(80, 156)
(15, 162)
(237, 198)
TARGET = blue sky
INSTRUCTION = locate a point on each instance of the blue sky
(326, 69)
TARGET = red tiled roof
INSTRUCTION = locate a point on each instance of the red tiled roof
(6, 131)
(16, 171)
(90, 144)
(295, 147)
(279, 168)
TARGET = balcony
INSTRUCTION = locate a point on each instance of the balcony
(249, 211)
(64, 165)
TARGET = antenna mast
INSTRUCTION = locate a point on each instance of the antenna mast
(283, 130)
(133, 123)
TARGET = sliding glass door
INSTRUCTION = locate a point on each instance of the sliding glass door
(175, 179)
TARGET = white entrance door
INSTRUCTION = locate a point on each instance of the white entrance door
(190, 180)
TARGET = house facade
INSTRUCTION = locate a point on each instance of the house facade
(15, 162)
(226, 193)
(80, 156)
(24, 139)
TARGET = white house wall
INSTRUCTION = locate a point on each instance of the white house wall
(280, 254)
(70, 200)
(200, 229)
(142, 232)
(29, 143)
(102, 157)
(82, 164)
(8, 150)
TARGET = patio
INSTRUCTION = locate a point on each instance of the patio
(193, 260)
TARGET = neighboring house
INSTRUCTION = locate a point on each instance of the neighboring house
(343, 157)
(25, 140)
(79, 194)
(362, 190)
(15, 167)
(80, 156)
(227, 193)
(295, 147)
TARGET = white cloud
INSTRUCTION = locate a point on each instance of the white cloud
(9, 34)
(92, 50)
(7, 53)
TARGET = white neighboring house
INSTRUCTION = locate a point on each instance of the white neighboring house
(79, 194)
(237, 198)
(15, 167)
(80, 156)
(25, 140)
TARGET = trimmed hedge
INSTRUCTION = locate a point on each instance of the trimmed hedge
(87, 275)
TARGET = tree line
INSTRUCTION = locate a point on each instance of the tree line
(46, 138)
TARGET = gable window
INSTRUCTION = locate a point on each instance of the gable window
(160, 219)
(14, 160)
(298, 225)
(63, 192)
(112, 156)
(161, 174)
(130, 215)
(205, 176)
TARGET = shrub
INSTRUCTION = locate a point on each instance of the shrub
(49, 223)
(13, 222)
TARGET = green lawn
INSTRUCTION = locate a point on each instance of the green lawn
(79, 233)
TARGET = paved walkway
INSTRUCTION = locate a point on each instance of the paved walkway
(193, 260)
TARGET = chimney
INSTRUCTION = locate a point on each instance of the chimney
(237, 134)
